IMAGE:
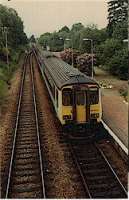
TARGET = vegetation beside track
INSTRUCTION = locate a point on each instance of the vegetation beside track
(12, 41)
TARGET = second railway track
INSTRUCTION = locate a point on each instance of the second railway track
(25, 176)
(98, 177)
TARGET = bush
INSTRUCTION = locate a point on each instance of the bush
(118, 64)
(107, 50)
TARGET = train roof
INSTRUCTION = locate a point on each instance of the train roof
(63, 73)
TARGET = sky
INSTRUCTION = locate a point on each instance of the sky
(40, 16)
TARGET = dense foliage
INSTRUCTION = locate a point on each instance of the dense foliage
(12, 31)
(117, 14)
(111, 52)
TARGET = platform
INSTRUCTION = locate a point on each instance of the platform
(115, 115)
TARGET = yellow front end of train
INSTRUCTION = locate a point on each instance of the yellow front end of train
(81, 105)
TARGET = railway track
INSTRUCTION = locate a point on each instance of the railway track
(98, 177)
(25, 176)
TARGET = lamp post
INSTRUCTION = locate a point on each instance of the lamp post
(92, 58)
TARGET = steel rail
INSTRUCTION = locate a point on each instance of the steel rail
(111, 168)
(80, 172)
(83, 176)
(15, 129)
(37, 127)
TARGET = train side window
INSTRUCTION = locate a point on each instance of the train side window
(57, 98)
(80, 98)
(67, 97)
(94, 96)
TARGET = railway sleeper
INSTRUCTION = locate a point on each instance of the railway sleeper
(29, 166)
(26, 150)
(26, 179)
(30, 187)
(25, 137)
(103, 194)
(25, 161)
(93, 172)
(22, 173)
(27, 156)
(101, 178)
(29, 194)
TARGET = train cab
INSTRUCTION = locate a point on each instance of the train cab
(81, 104)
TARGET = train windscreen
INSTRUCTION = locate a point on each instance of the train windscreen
(94, 95)
(67, 97)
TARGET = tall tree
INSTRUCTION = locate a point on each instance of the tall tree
(117, 13)
(77, 27)
(32, 39)
(10, 19)
(64, 29)
(44, 39)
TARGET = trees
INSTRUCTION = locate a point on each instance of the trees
(77, 27)
(32, 39)
(107, 49)
(118, 64)
(111, 52)
(12, 25)
(120, 31)
(92, 32)
(44, 39)
(64, 29)
(10, 19)
(117, 13)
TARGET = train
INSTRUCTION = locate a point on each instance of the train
(76, 97)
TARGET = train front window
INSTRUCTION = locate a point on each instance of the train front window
(94, 95)
(80, 96)
(67, 97)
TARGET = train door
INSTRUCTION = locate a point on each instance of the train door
(82, 106)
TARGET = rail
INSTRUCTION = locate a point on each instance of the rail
(13, 151)
(94, 187)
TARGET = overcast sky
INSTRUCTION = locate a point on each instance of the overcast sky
(41, 16)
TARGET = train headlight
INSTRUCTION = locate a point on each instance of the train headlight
(66, 117)
(94, 115)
